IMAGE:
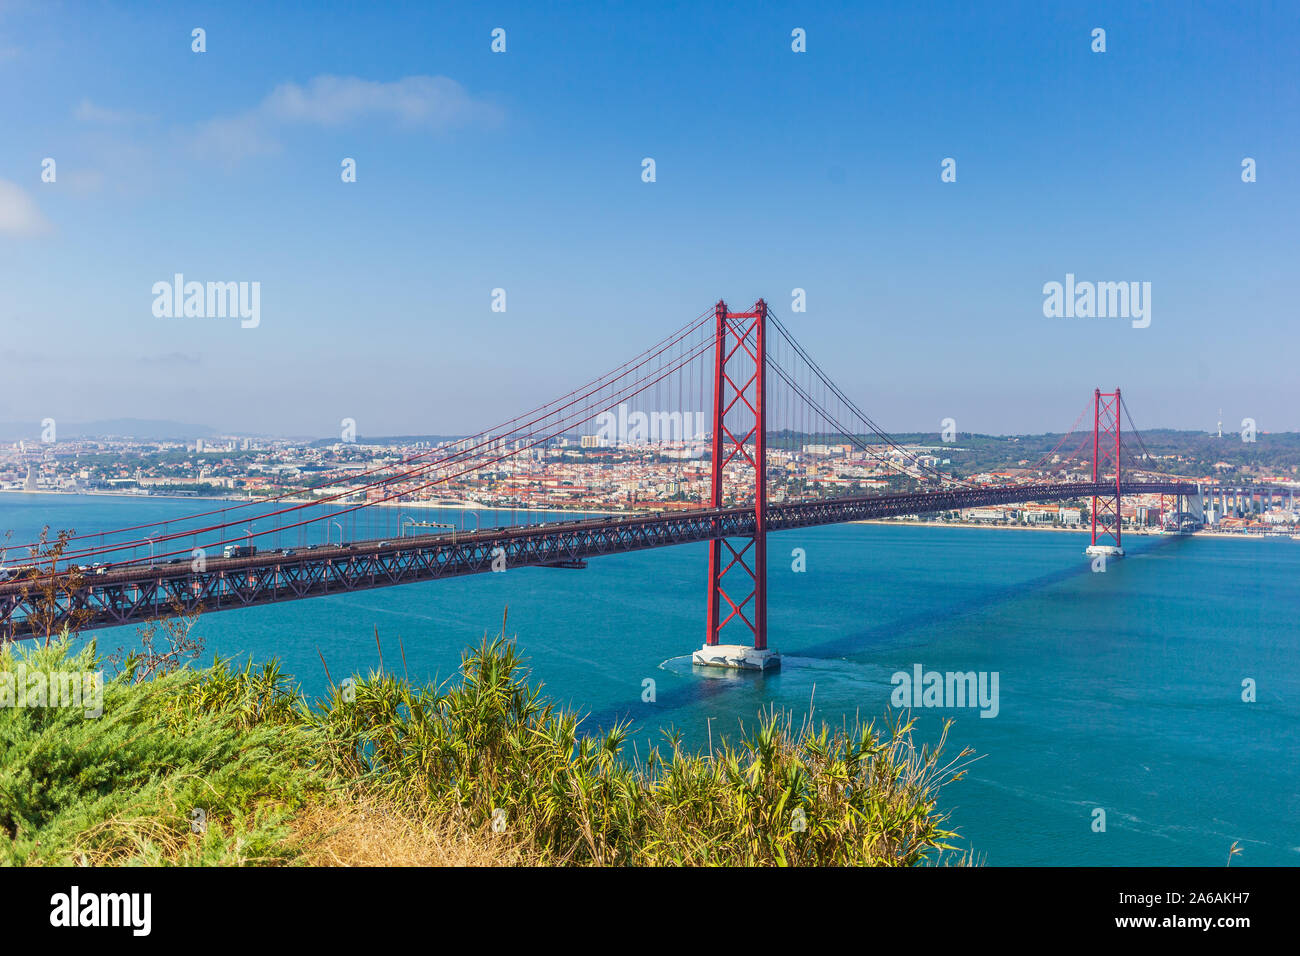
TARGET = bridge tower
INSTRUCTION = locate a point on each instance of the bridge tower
(1106, 451)
(737, 608)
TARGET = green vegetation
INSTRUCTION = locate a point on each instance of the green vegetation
(1175, 452)
(122, 788)
(479, 770)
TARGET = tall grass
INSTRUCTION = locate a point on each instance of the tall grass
(489, 748)
(480, 769)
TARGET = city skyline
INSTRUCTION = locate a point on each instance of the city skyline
(164, 430)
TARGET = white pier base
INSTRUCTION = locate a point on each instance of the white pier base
(737, 656)
(1109, 550)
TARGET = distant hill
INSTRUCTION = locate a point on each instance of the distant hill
(147, 429)
(389, 440)
(1275, 452)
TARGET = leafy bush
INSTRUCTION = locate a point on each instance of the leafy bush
(125, 788)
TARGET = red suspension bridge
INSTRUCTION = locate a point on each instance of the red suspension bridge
(729, 409)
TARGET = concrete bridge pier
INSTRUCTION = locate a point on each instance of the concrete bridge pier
(1109, 550)
(737, 657)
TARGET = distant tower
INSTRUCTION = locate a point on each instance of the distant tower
(1221, 423)
(30, 484)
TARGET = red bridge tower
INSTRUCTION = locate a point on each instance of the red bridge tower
(1106, 450)
(739, 393)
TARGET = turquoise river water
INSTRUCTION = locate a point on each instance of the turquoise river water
(1120, 691)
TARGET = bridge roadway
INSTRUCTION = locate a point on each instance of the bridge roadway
(135, 593)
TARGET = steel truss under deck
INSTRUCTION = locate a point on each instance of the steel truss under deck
(138, 593)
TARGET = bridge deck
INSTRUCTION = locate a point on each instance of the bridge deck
(133, 594)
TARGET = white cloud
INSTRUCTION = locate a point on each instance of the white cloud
(434, 103)
(233, 138)
(88, 112)
(19, 215)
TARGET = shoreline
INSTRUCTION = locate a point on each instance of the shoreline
(459, 505)
(472, 506)
(1015, 527)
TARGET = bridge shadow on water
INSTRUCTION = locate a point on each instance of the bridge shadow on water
(702, 686)
(998, 595)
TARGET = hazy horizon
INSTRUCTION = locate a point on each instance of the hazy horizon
(188, 431)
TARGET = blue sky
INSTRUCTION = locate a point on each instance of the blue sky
(522, 170)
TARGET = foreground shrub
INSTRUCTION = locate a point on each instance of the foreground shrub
(167, 773)
(490, 752)
(479, 770)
